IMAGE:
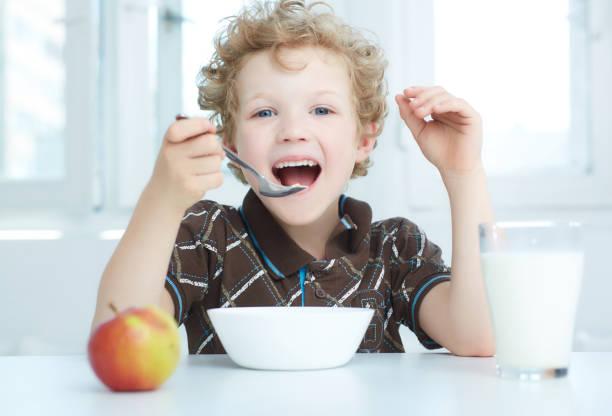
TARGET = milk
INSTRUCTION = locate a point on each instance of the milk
(533, 298)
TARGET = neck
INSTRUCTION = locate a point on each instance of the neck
(313, 237)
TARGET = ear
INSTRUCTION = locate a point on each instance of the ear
(366, 143)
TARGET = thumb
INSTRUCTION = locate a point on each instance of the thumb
(414, 123)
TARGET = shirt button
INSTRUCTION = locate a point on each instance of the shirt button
(320, 293)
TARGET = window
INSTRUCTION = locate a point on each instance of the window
(538, 73)
(197, 41)
(150, 56)
(83, 133)
(543, 147)
(47, 85)
(204, 20)
(33, 86)
(518, 62)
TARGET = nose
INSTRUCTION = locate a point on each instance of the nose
(289, 138)
(292, 129)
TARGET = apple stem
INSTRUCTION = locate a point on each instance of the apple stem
(114, 308)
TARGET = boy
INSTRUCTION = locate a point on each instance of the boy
(301, 97)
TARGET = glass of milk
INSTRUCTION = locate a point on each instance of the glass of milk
(532, 273)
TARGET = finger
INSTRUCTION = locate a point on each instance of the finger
(204, 165)
(426, 93)
(183, 129)
(423, 106)
(197, 185)
(209, 181)
(203, 145)
(414, 123)
(413, 91)
(454, 105)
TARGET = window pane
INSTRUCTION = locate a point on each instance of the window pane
(32, 83)
(198, 45)
(512, 61)
(198, 41)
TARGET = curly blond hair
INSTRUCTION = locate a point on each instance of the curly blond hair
(289, 23)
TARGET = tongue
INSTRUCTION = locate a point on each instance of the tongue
(304, 175)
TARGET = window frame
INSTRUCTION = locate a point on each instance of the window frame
(133, 129)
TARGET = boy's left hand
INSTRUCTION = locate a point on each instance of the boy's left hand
(452, 140)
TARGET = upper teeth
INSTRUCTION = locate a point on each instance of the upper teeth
(295, 163)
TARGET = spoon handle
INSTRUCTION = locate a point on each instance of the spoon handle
(234, 158)
(231, 155)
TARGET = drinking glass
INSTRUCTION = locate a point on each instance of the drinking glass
(532, 274)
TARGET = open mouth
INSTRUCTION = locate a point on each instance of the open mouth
(304, 172)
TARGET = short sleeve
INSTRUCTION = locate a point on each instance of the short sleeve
(418, 268)
(196, 257)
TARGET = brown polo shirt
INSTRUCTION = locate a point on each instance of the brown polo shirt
(228, 257)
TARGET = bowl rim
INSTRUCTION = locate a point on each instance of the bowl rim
(292, 309)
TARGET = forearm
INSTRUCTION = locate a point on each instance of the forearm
(468, 308)
(135, 273)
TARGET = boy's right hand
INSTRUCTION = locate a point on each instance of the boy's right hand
(188, 165)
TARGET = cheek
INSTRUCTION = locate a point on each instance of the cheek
(243, 141)
(343, 160)
(252, 149)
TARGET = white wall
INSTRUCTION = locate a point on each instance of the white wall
(48, 288)
(49, 293)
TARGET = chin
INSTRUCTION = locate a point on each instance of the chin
(295, 212)
(301, 210)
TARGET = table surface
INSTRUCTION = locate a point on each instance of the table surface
(370, 384)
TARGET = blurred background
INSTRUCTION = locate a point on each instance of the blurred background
(88, 88)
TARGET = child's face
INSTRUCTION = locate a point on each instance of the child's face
(305, 115)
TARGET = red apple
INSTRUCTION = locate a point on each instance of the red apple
(136, 350)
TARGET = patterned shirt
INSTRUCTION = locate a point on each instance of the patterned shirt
(228, 257)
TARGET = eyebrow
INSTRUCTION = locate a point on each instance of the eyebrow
(256, 96)
(315, 93)
(323, 92)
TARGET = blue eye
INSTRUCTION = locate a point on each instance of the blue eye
(264, 113)
(321, 111)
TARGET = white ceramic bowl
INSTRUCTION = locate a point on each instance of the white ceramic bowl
(290, 338)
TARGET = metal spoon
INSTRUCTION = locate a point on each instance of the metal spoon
(266, 187)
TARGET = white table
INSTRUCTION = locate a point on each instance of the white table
(371, 384)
